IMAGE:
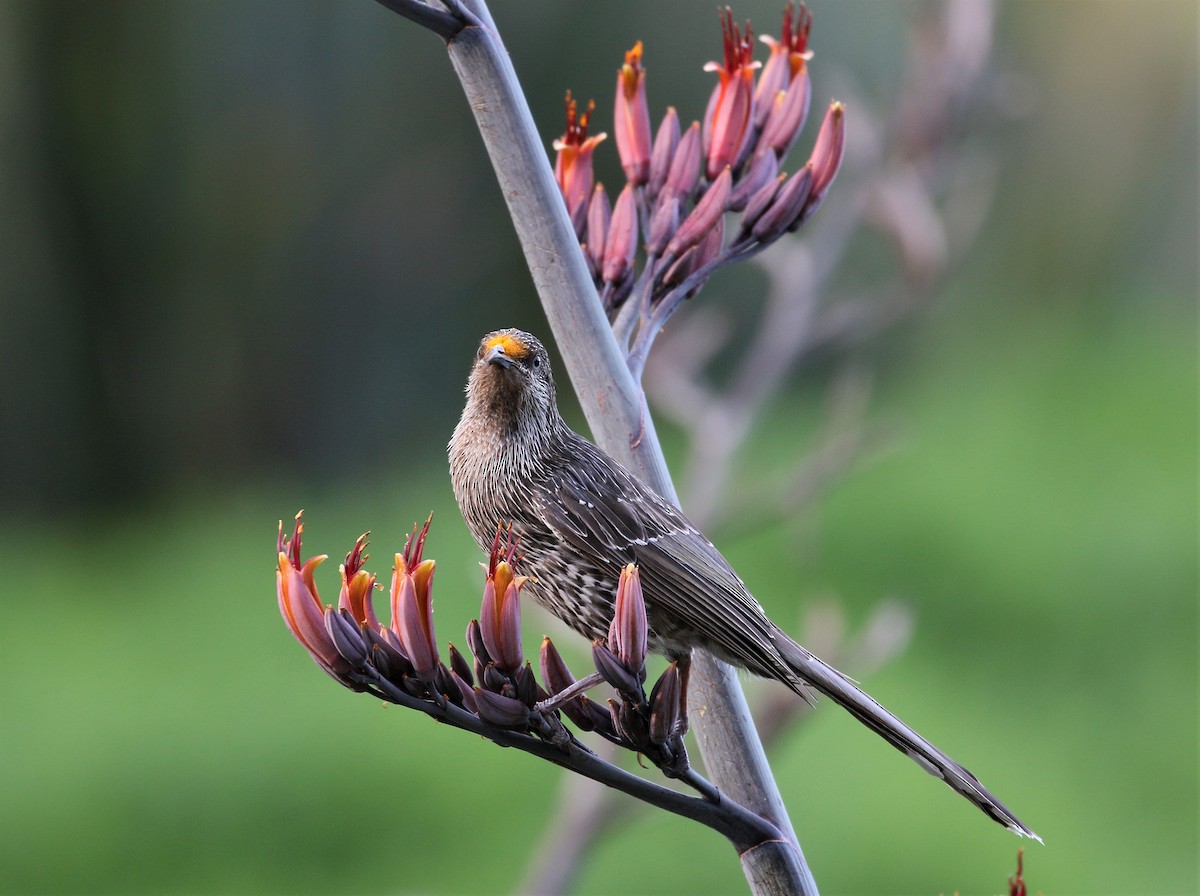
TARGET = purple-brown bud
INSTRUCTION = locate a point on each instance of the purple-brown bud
(762, 170)
(499, 710)
(788, 112)
(761, 201)
(665, 143)
(685, 167)
(346, 636)
(785, 208)
(621, 246)
(614, 671)
(558, 678)
(460, 666)
(704, 216)
(632, 118)
(663, 223)
(599, 214)
(666, 707)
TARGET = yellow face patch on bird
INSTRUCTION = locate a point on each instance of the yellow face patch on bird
(508, 344)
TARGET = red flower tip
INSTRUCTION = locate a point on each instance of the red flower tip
(414, 544)
(796, 40)
(291, 548)
(577, 124)
(739, 48)
(503, 551)
(1016, 885)
(357, 556)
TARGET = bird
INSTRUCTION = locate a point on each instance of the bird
(580, 517)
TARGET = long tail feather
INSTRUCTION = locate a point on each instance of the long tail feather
(845, 693)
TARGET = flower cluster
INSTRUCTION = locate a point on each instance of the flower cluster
(497, 686)
(681, 184)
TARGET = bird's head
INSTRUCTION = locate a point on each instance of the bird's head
(511, 381)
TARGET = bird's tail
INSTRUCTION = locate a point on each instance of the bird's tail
(845, 693)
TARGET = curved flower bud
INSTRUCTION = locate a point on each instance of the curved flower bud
(731, 107)
(788, 59)
(499, 710)
(666, 705)
(621, 247)
(632, 125)
(300, 605)
(786, 206)
(665, 142)
(704, 216)
(787, 114)
(610, 667)
(826, 156)
(628, 633)
(573, 164)
(347, 637)
(412, 604)
(761, 201)
(762, 170)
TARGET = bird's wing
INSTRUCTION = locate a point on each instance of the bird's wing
(608, 515)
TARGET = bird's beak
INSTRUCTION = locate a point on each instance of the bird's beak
(495, 355)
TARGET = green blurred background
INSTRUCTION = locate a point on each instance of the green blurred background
(245, 252)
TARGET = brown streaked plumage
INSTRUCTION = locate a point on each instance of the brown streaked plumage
(581, 517)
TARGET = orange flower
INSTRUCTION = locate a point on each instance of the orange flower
(632, 118)
(573, 165)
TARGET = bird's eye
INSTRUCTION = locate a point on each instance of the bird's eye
(536, 362)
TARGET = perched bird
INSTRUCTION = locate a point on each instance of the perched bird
(580, 517)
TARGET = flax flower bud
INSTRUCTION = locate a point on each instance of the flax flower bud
(573, 164)
(632, 124)
(826, 156)
(788, 59)
(785, 207)
(666, 705)
(762, 170)
(788, 112)
(412, 604)
(685, 167)
(728, 121)
(621, 246)
(665, 142)
(708, 211)
(628, 632)
(599, 214)
(663, 223)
